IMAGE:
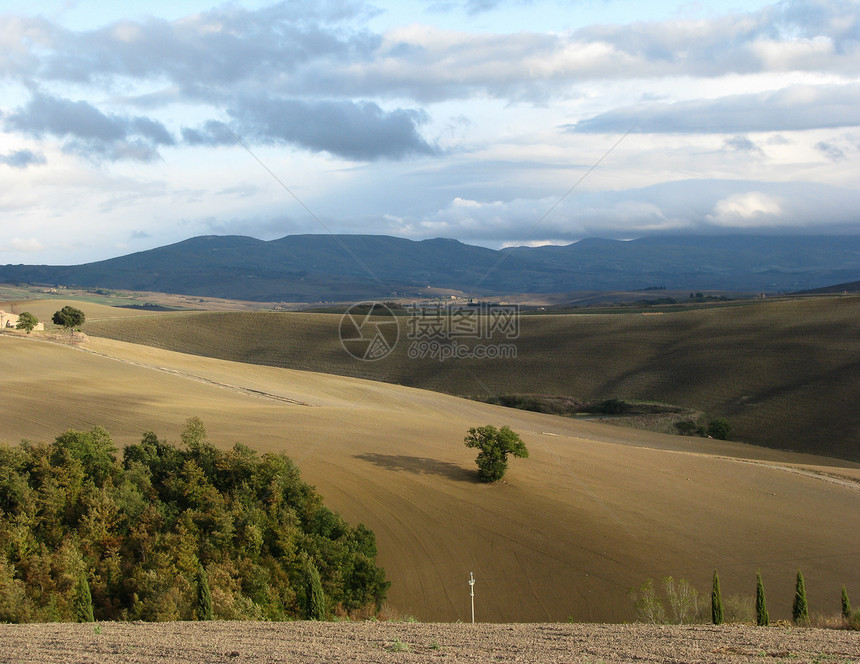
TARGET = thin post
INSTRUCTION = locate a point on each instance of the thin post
(472, 593)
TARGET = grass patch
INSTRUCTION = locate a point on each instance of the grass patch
(398, 646)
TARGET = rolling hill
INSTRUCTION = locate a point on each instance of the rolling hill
(313, 268)
(595, 510)
(783, 372)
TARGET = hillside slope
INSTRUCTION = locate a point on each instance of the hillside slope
(594, 511)
(783, 372)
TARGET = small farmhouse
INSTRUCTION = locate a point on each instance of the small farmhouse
(9, 321)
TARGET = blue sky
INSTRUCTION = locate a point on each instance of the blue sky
(125, 126)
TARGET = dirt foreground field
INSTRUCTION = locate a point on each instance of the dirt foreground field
(370, 642)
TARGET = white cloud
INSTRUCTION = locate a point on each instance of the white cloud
(22, 246)
(751, 208)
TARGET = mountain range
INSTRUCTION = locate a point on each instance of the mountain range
(315, 268)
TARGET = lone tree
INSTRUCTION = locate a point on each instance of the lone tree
(846, 604)
(716, 601)
(761, 617)
(800, 609)
(69, 317)
(27, 322)
(495, 445)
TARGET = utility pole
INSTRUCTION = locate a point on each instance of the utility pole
(472, 593)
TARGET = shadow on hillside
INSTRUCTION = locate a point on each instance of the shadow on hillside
(420, 466)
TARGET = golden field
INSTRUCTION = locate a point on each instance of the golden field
(595, 510)
(784, 372)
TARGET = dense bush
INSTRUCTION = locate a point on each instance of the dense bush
(144, 535)
(495, 445)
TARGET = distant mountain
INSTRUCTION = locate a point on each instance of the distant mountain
(852, 287)
(311, 268)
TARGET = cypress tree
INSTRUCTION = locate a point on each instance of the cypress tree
(82, 605)
(204, 595)
(716, 601)
(314, 595)
(800, 609)
(761, 617)
(846, 605)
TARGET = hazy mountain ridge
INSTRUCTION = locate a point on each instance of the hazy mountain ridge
(326, 267)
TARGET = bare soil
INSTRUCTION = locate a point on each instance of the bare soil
(371, 642)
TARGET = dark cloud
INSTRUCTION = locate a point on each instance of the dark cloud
(832, 152)
(742, 144)
(791, 109)
(22, 158)
(321, 50)
(209, 53)
(354, 130)
(211, 133)
(89, 132)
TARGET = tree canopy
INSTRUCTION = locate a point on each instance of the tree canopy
(27, 322)
(69, 317)
(495, 445)
(167, 531)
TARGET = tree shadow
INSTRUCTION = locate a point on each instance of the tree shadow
(420, 466)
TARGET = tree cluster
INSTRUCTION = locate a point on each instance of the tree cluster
(171, 532)
(69, 317)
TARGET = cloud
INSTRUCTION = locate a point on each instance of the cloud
(89, 132)
(751, 208)
(473, 7)
(832, 152)
(742, 144)
(22, 245)
(22, 159)
(301, 49)
(795, 108)
(693, 206)
(360, 131)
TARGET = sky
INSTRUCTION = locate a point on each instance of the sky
(128, 126)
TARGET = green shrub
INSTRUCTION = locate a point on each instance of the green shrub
(800, 608)
(83, 601)
(716, 601)
(854, 621)
(689, 428)
(761, 617)
(204, 595)
(739, 609)
(720, 429)
(315, 607)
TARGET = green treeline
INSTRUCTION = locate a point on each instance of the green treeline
(171, 532)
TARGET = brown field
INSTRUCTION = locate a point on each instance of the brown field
(595, 510)
(382, 642)
(784, 373)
